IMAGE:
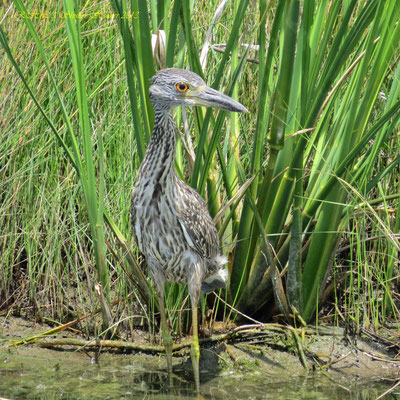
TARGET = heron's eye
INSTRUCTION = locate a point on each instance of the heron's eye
(182, 87)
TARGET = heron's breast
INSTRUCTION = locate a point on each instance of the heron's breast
(157, 230)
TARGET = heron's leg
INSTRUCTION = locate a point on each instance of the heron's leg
(166, 336)
(159, 283)
(194, 290)
(195, 349)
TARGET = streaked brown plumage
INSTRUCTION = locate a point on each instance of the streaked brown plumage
(170, 220)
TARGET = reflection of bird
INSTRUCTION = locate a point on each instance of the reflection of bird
(170, 220)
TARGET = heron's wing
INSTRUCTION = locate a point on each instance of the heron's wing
(197, 225)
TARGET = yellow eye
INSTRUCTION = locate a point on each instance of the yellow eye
(182, 87)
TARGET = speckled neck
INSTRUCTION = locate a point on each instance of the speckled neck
(158, 162)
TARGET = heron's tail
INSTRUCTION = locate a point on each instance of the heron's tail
(217, 280)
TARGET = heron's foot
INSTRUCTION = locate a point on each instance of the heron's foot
(195, 355)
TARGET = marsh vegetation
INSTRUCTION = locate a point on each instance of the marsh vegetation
(304, 189)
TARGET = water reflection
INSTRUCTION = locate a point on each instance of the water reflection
(41, 374)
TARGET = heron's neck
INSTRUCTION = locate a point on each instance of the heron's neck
(158, 162)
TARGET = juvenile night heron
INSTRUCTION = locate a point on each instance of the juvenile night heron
(170, 220)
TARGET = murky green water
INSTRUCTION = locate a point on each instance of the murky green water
(32, 373)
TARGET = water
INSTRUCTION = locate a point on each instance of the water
(33, 373)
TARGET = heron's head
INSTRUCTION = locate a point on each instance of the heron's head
(174, 87)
